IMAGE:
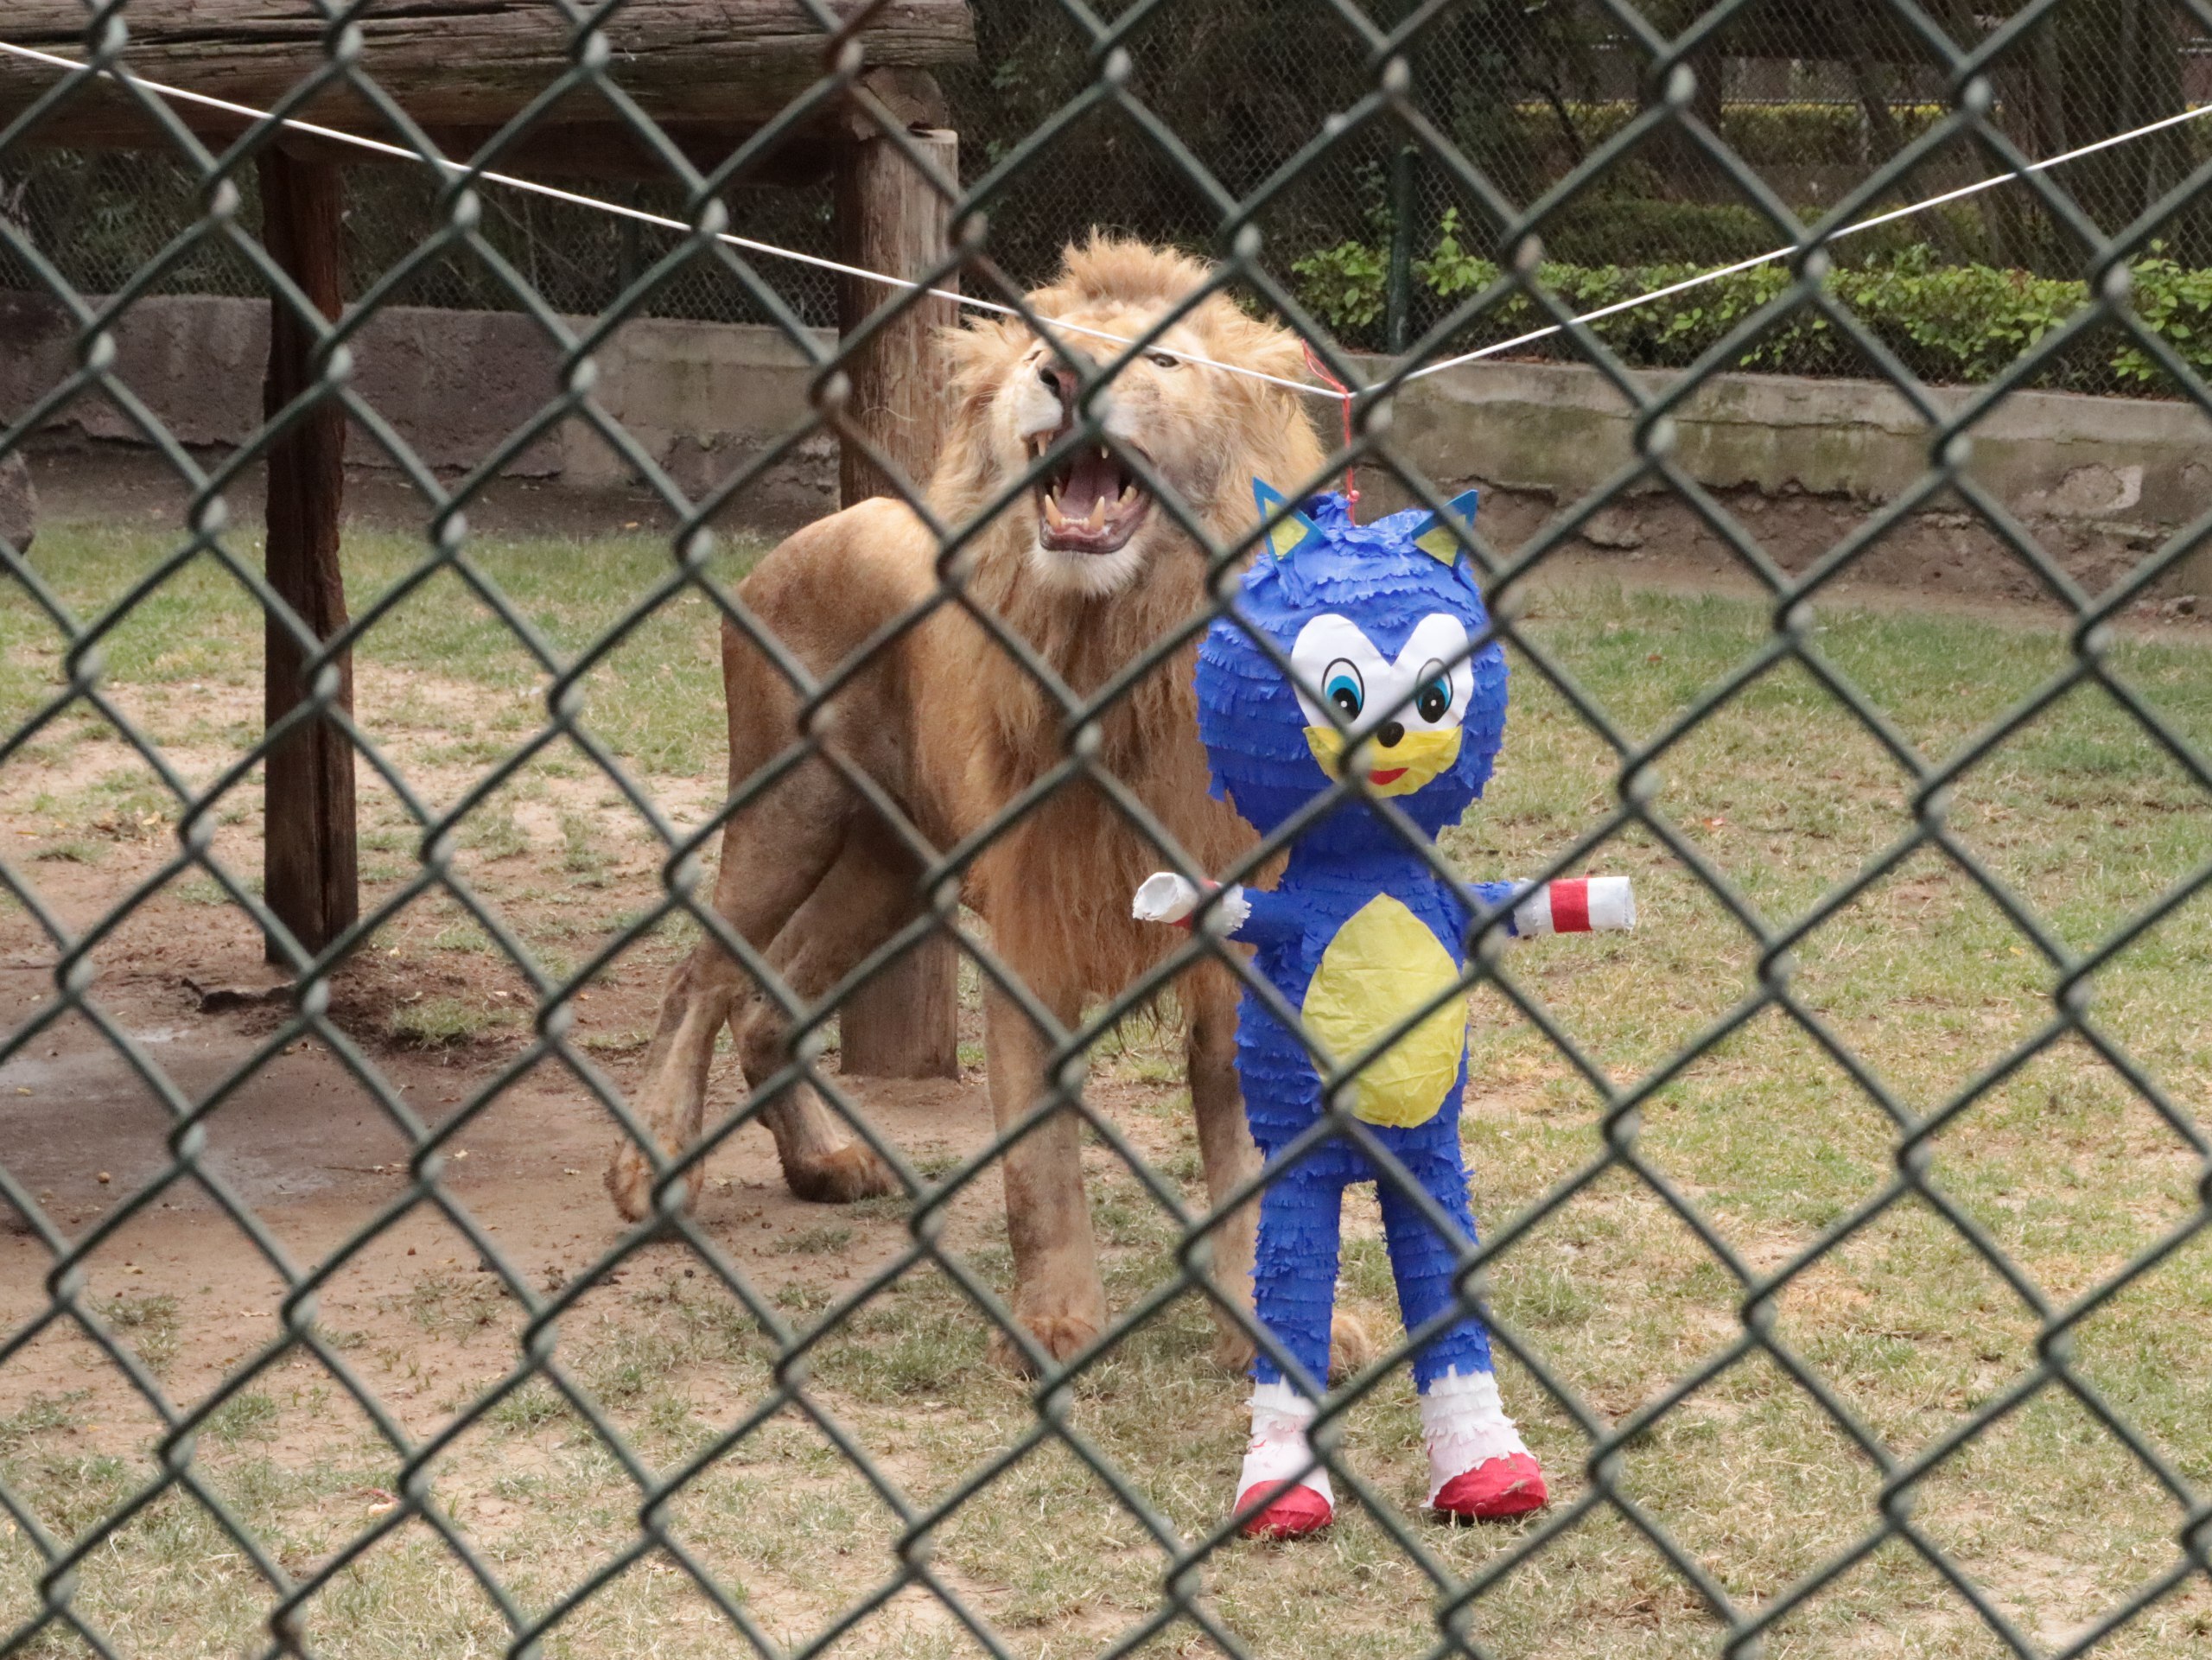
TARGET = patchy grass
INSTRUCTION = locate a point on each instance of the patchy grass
(643, 700)
(445, 1022)
(2060, 1166)
(146, 1326)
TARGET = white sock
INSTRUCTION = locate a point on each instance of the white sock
(1279, 1451)
(1463, 1424)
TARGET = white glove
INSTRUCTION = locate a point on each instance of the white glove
(1167, 897)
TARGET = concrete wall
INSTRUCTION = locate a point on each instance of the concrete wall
(2099, 483)
(1563, 430)
(455, 385)
(2098, 479)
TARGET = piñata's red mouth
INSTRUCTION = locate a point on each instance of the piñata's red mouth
(1390, 777)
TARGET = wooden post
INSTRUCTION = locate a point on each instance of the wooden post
(904, 1023)
(310, 874)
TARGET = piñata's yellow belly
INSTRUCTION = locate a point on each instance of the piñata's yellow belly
(1382, 965)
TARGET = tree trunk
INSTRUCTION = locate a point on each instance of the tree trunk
(309, 865)
(904, 1023)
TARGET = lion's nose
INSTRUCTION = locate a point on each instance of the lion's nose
(1388, 732)
(1062, 382)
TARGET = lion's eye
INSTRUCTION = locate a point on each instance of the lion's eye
(1163, 360)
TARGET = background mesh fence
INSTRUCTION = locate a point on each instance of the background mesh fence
(1464, 127)
(1374, 236)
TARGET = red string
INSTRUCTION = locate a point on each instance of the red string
(1351, 491)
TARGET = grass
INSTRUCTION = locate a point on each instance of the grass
(445, 1022)
(642, 700)
(2064, 1168)
(147, 1326)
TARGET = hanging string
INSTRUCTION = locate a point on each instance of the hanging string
(1344, 392)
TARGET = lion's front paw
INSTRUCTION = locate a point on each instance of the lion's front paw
(1061, 1337)
(1351, 1349)
(630, 1181)
(1232, 1350)
(851, 1173)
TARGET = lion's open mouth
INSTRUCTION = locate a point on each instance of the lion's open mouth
(1091, 503)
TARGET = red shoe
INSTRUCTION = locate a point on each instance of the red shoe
(1494, 1490)
(1297, 1513)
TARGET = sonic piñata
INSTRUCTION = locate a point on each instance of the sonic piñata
(1384, 626)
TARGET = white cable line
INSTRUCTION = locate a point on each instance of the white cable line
(623, 210)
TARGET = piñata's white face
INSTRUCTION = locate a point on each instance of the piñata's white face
(1399, 718)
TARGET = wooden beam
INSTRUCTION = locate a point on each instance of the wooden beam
(599, 148)
(471, 63)
(309, 862)
(904, 1023)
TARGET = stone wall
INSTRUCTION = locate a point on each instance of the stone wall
(2098, 482)
(455, 386)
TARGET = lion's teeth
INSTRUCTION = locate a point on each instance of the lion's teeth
(1054, 516)
(1128, 494)
(1096, 521)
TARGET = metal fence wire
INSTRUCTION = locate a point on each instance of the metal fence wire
(1590, 97)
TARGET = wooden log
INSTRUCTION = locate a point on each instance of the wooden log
(457, 64)
(18, 503)
(889, 220)
(904, 1023)
(309, 861)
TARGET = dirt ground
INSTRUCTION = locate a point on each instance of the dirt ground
(303, 1144)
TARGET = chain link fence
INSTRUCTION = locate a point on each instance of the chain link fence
(1322, 127)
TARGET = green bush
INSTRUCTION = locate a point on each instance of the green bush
(1946, 323)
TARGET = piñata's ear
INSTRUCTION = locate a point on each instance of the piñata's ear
(1285, 537)
(1439, 538)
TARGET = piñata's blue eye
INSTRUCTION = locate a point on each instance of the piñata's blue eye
(1345, 690)
(1433, 701)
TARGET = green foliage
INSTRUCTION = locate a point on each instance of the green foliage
(2176, 301)
(1947, 323)
(1344, 285)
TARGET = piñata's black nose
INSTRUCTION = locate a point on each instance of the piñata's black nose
(1388, 732)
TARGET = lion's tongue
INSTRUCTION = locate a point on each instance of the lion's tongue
(1093, 479)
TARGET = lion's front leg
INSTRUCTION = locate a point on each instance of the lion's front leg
(1226, 1148)
(1058, 1294)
